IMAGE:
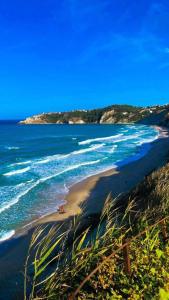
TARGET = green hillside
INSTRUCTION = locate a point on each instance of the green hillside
(114, 114)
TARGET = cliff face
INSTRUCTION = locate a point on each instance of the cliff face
(115, 114)
(111, 117)
(43, 119)
(34, 120)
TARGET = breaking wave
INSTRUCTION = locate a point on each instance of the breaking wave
(15, 172)
(89, 141)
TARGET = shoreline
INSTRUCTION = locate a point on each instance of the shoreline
(72, 208)
(82, 190)
(83, 187)
(87, 196)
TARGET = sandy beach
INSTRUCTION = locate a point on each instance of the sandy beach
(88, 197)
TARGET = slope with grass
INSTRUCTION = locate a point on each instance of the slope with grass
(62, 260)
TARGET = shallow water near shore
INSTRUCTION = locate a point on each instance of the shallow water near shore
(39, 164)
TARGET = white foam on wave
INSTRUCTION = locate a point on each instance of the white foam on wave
(15, 200)
(116, 138)
(148, 140)
(89, 141)
(51, 158)
(127, 138)
(135, 136)
(6, 235)
(9, 204)
(66, 188)
(21, 163)
(20, 171)
(112, 150)
(60, 156)
(144, 149)
(94, 147)
(70, 169)
(43, 161)
(42, 180)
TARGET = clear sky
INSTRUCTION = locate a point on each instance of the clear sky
(60, 55)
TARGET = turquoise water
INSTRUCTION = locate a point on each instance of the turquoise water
(39, 164)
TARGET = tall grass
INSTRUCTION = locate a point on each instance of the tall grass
(59, 260)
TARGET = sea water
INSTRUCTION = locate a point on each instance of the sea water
(39, 164)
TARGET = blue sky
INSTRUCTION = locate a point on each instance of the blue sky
(62, 55)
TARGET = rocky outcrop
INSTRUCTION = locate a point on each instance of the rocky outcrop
(34, 120)
(108, 117)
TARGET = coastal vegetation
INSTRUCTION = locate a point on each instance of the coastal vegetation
(123, 253)
(114, 114)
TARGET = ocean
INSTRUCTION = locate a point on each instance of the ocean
(39, 164)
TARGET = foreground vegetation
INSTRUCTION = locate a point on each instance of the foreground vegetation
(60, 260)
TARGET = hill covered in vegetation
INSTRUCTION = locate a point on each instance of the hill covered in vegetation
(114, 114)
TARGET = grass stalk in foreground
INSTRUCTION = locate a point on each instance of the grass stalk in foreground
(59, 266)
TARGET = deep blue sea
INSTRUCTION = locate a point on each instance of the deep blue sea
(40, 163)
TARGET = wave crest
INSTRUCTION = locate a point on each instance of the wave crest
(41, 180)
(15, 172)
(112, 137)
(6, 235)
